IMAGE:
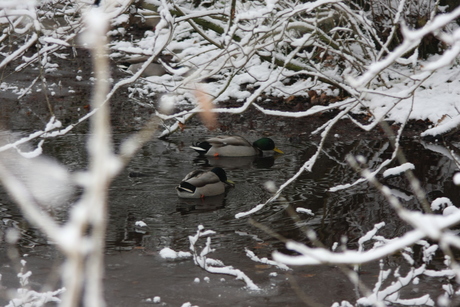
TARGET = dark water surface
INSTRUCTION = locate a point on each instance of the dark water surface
(135, 272)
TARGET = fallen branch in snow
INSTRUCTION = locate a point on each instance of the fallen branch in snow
(264, 260)
(212, 265)
(391, 293)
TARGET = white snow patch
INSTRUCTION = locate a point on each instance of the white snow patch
(168, 253)
(445, 126)
(270, 186)
(304, 210)
(436, 100)
(457, 179)
(440, 203)
(398, 169)
(140, 224)
(450, 210)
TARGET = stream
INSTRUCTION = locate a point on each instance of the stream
(145, 191)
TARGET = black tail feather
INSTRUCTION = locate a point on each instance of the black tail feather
(201, 147)
(186, 187)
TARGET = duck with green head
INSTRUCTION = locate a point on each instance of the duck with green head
(200, 183)
(234, 146)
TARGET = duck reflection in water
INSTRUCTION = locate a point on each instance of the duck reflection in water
(206, 204)
(236, 162)
(136, 233)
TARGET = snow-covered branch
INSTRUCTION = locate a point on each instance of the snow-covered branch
(212, 265)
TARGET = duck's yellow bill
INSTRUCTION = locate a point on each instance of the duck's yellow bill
(277, 150)
(230, 183)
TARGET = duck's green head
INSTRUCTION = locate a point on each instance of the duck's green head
(266, 144)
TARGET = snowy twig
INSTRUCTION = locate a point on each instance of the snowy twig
(209, 265)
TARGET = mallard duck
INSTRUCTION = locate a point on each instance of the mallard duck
(234, 146)
(200, 183)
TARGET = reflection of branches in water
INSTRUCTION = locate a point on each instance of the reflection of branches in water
(450, 151)
(207, 204)
(432, 226)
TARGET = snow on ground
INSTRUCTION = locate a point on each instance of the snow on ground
(436, 100)
(140, 224)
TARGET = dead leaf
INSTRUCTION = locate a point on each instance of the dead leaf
(441, 119)
(308, 275)
(312, 94)
(290, 98)
(208, 117)
(263, 266)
